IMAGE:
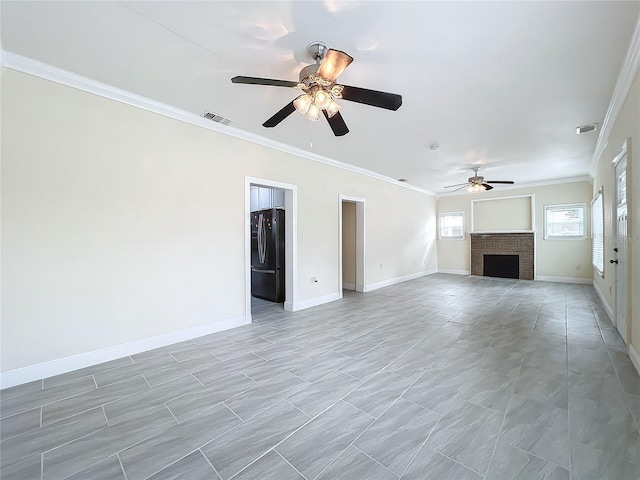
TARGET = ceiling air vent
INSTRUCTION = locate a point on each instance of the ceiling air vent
(215, 117)
(587, 128)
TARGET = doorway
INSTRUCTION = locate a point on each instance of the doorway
(351, 262)
(270, 259)
(620, 165)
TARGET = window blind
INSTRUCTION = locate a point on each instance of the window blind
(597, 232)
(564, 221)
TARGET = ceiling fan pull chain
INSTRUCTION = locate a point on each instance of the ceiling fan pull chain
(310, 134)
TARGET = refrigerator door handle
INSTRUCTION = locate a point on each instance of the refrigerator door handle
(262, 251)
(253, 269)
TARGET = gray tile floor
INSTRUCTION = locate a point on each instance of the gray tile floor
(444, 377)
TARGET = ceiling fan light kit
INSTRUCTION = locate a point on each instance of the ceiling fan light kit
(317, 81)
(477, 184)
(311, 104)
(477, 188)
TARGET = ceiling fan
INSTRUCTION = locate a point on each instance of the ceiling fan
(319, 87)
(477, 184)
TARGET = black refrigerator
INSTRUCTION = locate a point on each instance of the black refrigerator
(267, 254)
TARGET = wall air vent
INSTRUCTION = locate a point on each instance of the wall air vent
(215, 117)
(587, 128)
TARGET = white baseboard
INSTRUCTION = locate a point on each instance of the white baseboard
(314, 302)
(553, 278)
(605, 305)
(394, 281)
(348, 286)
(454, 271)
(22, 375)
(635, 358)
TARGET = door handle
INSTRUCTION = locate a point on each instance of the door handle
(613, 261)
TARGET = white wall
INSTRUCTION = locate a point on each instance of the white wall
(554, 258)
(626, 127)
(120, 224)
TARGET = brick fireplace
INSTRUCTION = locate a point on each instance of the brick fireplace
(520, 244)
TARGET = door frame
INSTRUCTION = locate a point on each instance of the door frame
(360, 241)
(290, 245)
(618, 275)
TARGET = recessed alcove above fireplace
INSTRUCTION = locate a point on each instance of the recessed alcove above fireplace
(503, 236)
(491, 245)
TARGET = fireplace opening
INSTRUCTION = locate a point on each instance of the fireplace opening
(503, 266)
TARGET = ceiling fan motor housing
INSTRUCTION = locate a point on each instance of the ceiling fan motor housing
(308, 70)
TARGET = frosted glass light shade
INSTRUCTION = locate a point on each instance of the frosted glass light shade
(302, 103)
(313, 113)
(332, 109)
(322, 100)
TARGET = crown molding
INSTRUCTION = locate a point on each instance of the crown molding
(55, 74)
(623, 85)
(546, 183)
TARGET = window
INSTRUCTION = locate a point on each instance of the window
(452, 225)
(564, 221)
(597, 232)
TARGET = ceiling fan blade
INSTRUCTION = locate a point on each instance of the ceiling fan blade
(457, 185)
(264, 81)
(333, 64)
(287, 110)
(506, 182)
(390, 101)
(487, 186)
(461, 188)
(337, 124)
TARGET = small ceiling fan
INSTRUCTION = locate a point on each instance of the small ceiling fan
(318, 82)
(477, 183)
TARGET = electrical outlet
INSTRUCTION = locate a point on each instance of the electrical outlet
(380, 266)
(577, 267)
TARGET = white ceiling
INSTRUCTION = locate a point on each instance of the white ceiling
(503, 84)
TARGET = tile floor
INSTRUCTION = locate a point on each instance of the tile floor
(444, 377)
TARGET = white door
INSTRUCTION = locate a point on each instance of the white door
(620, 249)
